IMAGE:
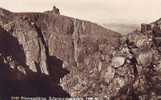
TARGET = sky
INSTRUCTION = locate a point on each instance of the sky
(99, 11)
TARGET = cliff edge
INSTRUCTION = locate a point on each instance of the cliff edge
(46, 47)
(48, 54)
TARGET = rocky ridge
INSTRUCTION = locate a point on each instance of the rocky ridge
(71, 57)
(47, 45)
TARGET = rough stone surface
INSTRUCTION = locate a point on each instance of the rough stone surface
(54, 11)
(43, 54)
(118, 61)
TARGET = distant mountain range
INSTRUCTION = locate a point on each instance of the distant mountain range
(122, 28)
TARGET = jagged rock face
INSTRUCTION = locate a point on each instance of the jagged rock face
(84, 49)
(142, 67)
(77, 58)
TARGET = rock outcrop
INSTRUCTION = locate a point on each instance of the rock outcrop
(54, 11)
(140, 73)
(31, 43)
(43, 54)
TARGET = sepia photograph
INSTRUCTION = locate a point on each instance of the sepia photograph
(80, 49)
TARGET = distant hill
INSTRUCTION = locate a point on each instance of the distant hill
(122, 28)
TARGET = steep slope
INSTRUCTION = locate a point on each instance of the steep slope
(47, 54)
(46, 46)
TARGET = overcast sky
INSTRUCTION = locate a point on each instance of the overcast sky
(101, 11)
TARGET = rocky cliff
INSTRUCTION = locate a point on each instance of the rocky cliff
(40, 48)
(48, 54)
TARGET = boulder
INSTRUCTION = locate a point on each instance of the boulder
(50, 55)
(118, 61)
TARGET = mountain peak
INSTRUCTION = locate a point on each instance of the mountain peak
(54, 10)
